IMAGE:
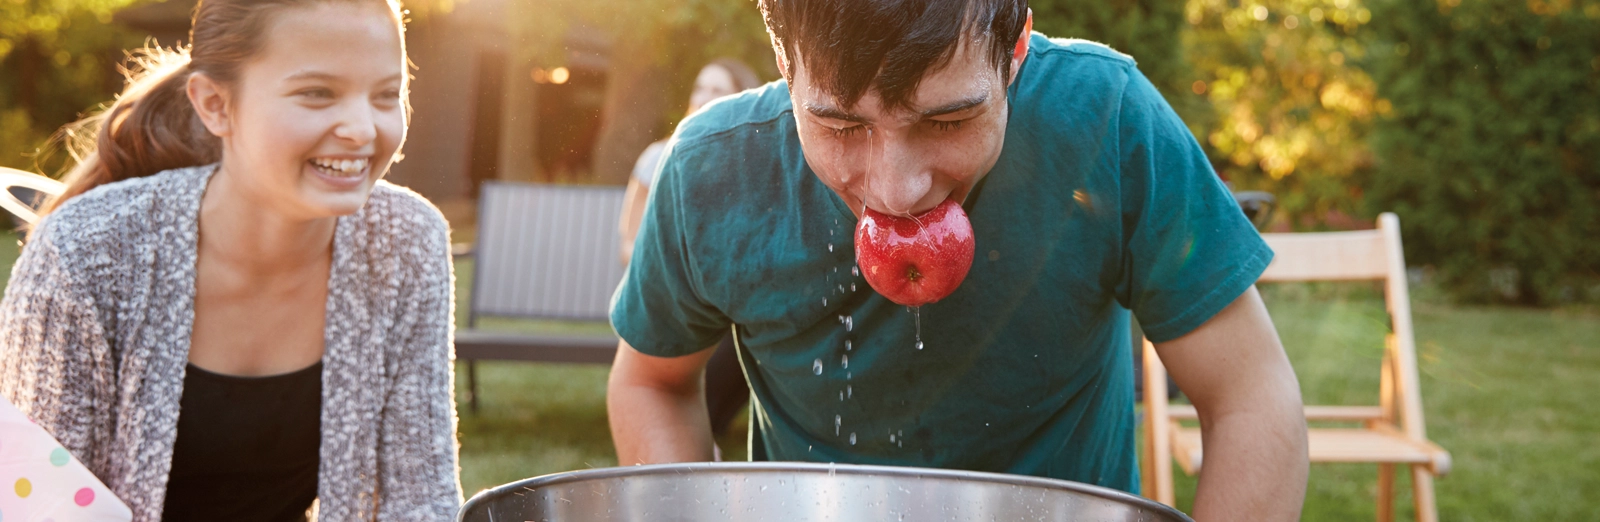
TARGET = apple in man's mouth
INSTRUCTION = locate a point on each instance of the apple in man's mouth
(915, 260)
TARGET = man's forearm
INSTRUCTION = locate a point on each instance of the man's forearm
(655, 422)
(1255, 466)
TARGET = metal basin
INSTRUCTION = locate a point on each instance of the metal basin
(780, 492)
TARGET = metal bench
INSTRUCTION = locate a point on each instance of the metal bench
(542, 252)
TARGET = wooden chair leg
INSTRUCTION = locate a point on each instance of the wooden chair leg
(1386, 493)
(1422, 493)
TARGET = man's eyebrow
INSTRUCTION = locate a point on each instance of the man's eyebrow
(824, 111)
(956, 106)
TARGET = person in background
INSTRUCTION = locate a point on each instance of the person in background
(726, 391)
(228, 315)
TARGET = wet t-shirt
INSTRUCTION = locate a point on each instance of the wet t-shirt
(1101, 203)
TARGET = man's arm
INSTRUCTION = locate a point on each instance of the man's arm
(1252, 422)
(657, 407)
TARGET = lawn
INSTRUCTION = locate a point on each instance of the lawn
(1510, 392)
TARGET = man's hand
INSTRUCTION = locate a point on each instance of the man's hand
(657, 407)
(1252, 422)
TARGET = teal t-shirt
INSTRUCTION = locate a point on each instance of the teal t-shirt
(1101, 203)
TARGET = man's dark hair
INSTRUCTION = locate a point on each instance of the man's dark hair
(851, 46)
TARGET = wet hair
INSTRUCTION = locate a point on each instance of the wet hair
(152, 126)
(851, 46)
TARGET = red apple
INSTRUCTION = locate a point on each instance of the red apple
(918, 260)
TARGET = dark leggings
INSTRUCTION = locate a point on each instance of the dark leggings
(726, 391)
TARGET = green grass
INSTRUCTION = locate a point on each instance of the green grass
(1512, 393)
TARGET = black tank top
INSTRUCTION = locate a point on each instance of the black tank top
(247, 447)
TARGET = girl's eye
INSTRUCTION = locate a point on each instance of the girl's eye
(391, 95)
(846, 131)
(320, 94)
(947, 125)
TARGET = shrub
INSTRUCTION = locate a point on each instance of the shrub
(1491, 154)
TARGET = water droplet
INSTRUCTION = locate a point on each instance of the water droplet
(891, 437)
(841, 396)
(847, 375)
(849, 323)
(852, 287)
(837, 421)
(841, 319)
(816, 367)
(830, 247)
(849, 391)
(855, 271)
(824, 301)
(852, 438)
(847, 345)
(917, 312)
(844, 360)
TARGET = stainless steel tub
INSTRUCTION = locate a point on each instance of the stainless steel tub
(781, 492)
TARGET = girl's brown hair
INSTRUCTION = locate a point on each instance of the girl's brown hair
(151, 126)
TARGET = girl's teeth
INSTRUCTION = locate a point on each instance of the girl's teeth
(341, 166)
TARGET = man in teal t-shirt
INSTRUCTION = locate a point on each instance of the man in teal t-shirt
(1088, 198)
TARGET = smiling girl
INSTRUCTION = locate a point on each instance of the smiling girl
(228, 315)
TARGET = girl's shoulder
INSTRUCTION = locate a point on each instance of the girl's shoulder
(125, 214)
(406, 220)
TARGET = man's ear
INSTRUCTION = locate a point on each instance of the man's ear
(211, 100)
(1020, 53)
(783, 61)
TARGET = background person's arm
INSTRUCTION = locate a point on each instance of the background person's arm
(1251, 418)
(633, 200)
(657, 407)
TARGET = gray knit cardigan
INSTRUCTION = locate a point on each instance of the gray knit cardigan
(94, 340)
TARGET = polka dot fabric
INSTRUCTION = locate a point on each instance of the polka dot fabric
(39, 480)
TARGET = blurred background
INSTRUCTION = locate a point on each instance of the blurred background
(1476, 121)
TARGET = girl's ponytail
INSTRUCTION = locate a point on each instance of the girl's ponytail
(151, 127)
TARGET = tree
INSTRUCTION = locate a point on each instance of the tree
(1491, 154)
(58, 61)
(1291, 108)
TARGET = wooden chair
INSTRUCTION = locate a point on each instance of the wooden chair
(1392, 432)
(543, 252)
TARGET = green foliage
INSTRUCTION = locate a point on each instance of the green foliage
(1148, 30)
(57, 61)
(1491, 155)
(1291, 110)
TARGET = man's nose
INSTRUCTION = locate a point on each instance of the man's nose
(898, 179)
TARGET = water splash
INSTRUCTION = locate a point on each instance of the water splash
(916, 312)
